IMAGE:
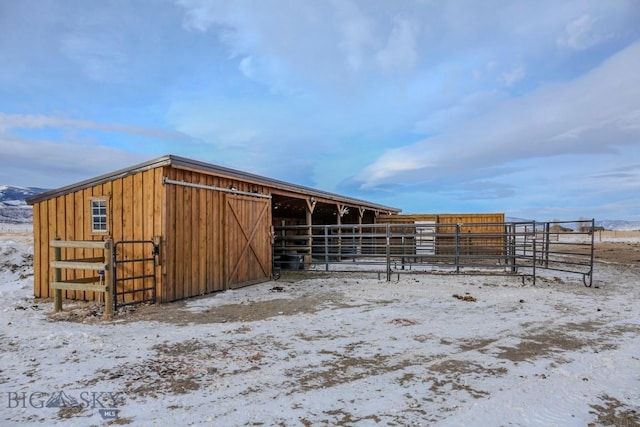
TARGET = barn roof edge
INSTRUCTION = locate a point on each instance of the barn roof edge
(173, 160)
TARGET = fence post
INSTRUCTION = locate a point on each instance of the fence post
(404, 249)
(388, 252)
(547, 231)
(326, 248)
(534, 259)
(57, 277)
(593, 224)
(457, 243)
(108, 279)
(514, 248)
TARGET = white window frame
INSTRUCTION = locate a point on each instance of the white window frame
(99, 214)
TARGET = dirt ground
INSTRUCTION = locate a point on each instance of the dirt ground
(617, 253)
(462, 365)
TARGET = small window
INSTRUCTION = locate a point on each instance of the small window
(98, 216)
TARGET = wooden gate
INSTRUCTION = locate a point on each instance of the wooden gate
(247, 241)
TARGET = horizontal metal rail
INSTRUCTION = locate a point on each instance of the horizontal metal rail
(140, 269)
(510, 247)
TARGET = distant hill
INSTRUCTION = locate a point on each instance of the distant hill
(608, 224)
(620, 225)
(13, 207)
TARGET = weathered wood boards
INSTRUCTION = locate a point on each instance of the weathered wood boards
(210, 224)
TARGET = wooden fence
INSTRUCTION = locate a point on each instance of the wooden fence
(103, 282)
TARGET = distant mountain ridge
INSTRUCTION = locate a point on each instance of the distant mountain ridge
(11, 193)
(619, 225)
(13, 207)
(608, 224)
(14, 210)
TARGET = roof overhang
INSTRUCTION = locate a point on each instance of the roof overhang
(278, 187)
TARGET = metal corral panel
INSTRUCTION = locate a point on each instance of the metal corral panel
(476, 233)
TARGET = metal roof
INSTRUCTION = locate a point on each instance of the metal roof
(171, 160)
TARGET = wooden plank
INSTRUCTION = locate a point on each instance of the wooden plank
(86, 244)
(195, 238)
(78, 286)
(88, 280)
(190, 211)
(169, 263)
(180, 237)
(203, 236)
(37, 255)
(218, 231)
(60, 224)
(204, 232)
(148, 228)
(115, 208)
(89, 259)
(128, 230)
(57, 276)
(51, 229)
(43, 262)
(78, 265)
(159, 215)
(138, 208)
(70, 218)
(81, 226)
(116, 211)
(210, 241)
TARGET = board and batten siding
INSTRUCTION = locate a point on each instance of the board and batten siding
(134, 206)
(480, 233)
(199, 240)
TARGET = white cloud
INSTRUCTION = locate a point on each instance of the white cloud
(581, 34)
(357, 37)
(9, 122)
(51, 164)
(101, 56)
(509, 78)
(399, 52)
(591, 115)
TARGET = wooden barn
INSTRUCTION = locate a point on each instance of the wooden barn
(174, 228)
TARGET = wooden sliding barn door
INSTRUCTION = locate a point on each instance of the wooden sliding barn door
(247, 240)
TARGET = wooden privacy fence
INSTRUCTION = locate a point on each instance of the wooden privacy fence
(103, 266)
(477, 248)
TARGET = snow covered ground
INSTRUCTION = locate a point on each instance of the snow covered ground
(317, 350)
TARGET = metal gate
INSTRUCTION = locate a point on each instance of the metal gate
(523, 248)
(135, 272)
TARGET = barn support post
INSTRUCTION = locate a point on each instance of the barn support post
(311, 205)
(57, 277)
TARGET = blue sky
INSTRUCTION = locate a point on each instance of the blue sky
(531, 108)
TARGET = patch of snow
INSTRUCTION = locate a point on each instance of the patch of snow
(368, 352)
